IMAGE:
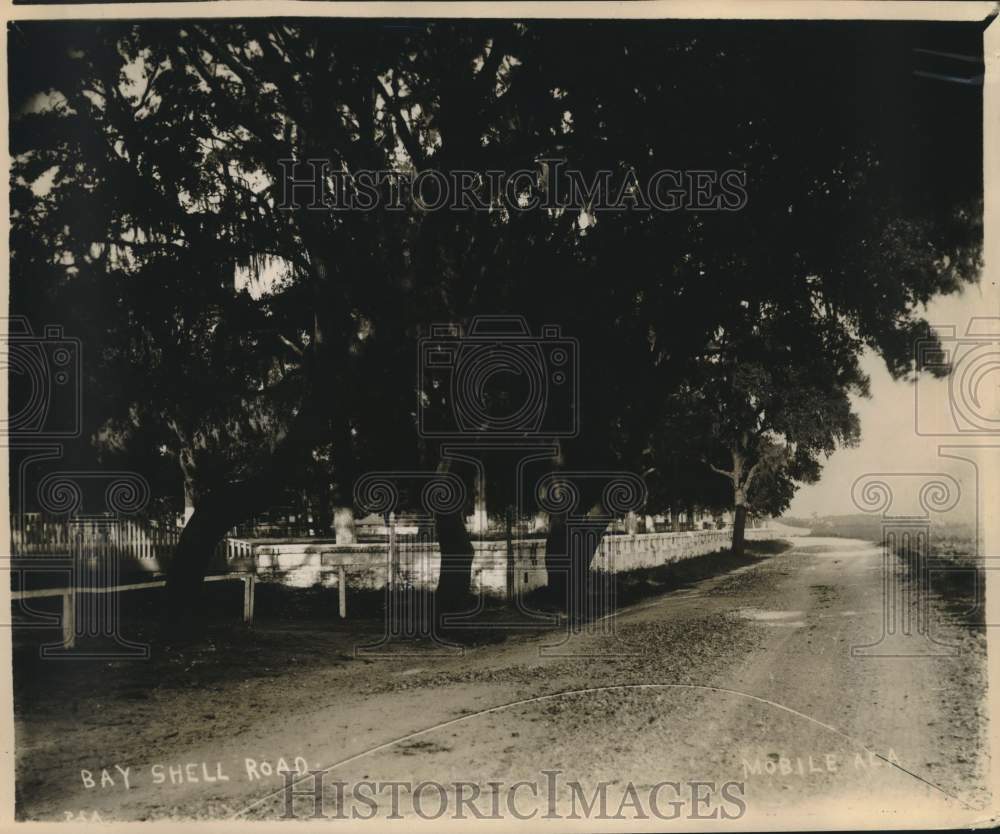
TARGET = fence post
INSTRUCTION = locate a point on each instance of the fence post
(248, 598)
(393, 550)
(342, 590)
(69, 618)
(510, 556)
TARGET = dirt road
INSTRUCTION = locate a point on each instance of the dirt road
(745, 678)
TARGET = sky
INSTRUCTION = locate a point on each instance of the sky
(896, 419)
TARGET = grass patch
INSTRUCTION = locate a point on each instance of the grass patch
(633, 586)
(637, 585)
(768, 547)
(956, 576)
(141, 613)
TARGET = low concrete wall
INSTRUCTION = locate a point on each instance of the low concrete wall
(312, 562)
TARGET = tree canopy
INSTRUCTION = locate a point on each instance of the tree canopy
(250, 340)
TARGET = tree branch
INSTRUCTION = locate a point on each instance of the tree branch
(291, 345)
(718, 471)
(409, 140)
(752, 474)
(487, 76)
(149, 88)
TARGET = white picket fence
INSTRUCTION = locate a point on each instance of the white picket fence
(147, 546)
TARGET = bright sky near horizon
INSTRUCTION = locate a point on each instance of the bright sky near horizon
(890, 442)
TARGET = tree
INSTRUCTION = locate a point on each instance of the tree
(184, 153)
(170, 144)
(777, 399)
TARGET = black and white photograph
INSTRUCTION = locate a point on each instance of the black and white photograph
(583, 417)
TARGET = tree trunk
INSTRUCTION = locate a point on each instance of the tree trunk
(568, 555)
(454, 588)
(455, 578)
(741, 487)
(343, 525)
(188, 500)
(739, 526)
(342, 492)
(185, 578)
(323, 509)
(186, 459)
(218, 511)
(557, 559)
(480, 518)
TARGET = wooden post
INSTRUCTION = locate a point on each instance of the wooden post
(248, 598)
(393, 552)
(69, 619)
(510, 573)
(480, 518)
(342, 590)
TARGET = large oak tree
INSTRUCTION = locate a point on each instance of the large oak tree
(163, 149)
